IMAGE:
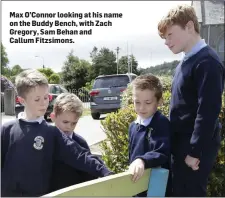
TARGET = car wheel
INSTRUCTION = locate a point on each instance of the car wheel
(95, 116)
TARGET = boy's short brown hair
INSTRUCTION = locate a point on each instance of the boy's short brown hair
(179, 15)
(29, 79)
(150, 82)
(68, 102)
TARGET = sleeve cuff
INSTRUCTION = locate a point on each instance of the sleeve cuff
(194, 152)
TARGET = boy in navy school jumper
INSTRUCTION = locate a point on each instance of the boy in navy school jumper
(30, 146)
(149, 135)
(67, 110)
(195, 103)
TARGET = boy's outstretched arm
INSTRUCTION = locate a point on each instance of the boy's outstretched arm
(83, 143)
(71, 153)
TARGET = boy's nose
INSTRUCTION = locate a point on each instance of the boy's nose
(166, 42)
(44, 102)
(142, 107)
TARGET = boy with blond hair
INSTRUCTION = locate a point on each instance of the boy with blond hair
(149, 135)
(196, 99)
(30, 146)
(67, 111)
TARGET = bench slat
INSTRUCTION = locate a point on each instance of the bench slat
(154, 181)
(113, 185)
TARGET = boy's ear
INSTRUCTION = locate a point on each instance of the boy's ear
(21, 100)
(52, 116)
(190, 25)
(160, 102)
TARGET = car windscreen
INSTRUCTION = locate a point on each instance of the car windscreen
(111, 81)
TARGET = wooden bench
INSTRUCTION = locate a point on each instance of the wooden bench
(154, 181)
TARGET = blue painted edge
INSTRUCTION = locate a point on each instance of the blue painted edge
(157, 182)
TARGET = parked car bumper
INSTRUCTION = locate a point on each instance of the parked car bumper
(105, 108)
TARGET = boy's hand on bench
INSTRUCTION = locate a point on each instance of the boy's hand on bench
(137, 168)
(192, 162)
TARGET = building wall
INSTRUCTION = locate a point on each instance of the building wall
(210, 15)
(214, 36)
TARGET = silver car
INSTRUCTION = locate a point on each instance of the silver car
(105, 96)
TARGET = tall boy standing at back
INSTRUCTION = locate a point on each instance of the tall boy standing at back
(195, 103)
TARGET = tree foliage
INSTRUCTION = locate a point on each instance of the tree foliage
(54, 79)
(4, 62)
(103, 62)
(16, 69)
(165, 69)
(123, 64)
(75, 72)
(46, 71)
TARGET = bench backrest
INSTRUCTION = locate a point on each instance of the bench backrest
(153, 180)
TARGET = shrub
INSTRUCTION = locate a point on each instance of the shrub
(216, 186)
(115, 147)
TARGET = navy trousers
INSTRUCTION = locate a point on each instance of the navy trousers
(185, 181)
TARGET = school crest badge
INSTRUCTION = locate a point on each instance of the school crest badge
(38, 142)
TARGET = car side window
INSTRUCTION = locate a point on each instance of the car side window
(63, 90)
(58, 90)
(55, 89)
